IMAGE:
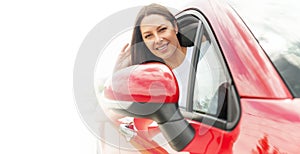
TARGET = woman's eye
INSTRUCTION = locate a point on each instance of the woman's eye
(162, 29)
(148, 36)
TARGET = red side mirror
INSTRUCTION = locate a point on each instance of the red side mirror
(145, 83)
(149, 91)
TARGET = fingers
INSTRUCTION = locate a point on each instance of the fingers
(124, 54)
(124, 58)
(125, 47)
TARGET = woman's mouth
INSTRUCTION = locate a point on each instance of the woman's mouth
(162, 48)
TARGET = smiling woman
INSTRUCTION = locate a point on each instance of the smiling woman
(156, 38)
(160, 38)
(157, 28)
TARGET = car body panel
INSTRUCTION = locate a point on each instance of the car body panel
(252, 72)
(269, 126)
(265, 126)
(209, 139)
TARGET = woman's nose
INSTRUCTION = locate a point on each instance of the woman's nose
(158, 39)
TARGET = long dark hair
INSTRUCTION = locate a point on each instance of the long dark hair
(139, 51)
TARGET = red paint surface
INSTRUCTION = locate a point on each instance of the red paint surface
(151, 82)
(252, 71)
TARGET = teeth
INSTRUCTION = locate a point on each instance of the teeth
(162, 47)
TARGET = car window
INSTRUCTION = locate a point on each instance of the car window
(211, 77)
(210, 73)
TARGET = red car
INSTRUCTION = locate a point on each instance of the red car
(240, 98)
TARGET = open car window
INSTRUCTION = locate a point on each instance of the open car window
(211, 94)
(210, 75)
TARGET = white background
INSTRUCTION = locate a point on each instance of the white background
(39, 41)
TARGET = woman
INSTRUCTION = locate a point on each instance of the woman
(155, 38)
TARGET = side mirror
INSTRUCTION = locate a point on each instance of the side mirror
(150, 91)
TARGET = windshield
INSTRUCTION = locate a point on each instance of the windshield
(276, 26)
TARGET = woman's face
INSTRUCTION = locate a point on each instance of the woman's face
(159, 36)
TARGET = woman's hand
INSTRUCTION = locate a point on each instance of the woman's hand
(124, 58)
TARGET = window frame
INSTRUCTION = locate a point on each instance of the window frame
(233, 101)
